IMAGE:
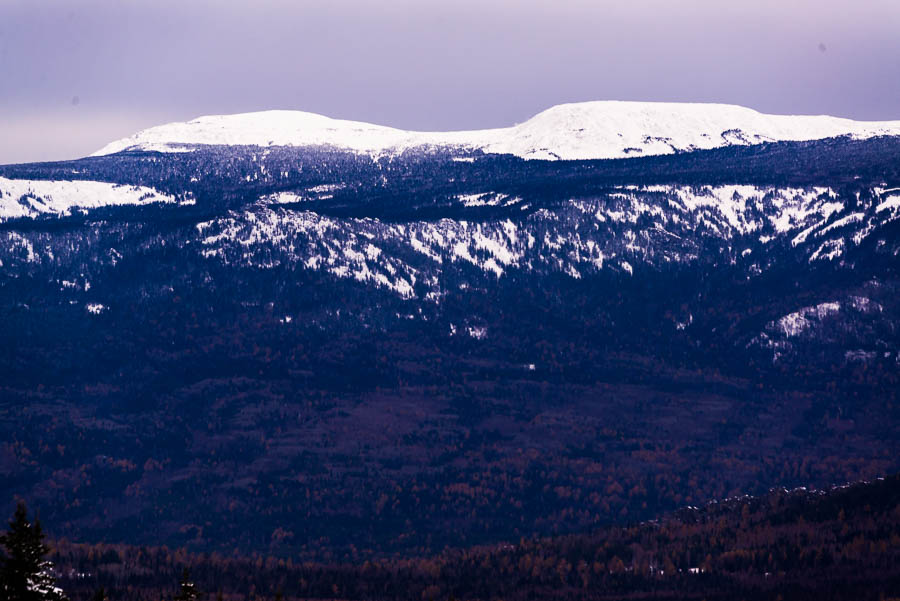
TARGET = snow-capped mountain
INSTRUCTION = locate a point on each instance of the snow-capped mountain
(333, 314)
(301, 198)
(589, 130)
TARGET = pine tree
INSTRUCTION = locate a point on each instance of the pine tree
(188, 591)
(25, 574)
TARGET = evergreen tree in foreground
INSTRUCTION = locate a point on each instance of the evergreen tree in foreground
(188, 591)
(25, 575)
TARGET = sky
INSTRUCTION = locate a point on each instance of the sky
(76, 74)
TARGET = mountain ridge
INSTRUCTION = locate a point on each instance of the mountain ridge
(572, 131)
(333, 351)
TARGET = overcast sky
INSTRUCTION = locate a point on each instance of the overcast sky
(77, 74)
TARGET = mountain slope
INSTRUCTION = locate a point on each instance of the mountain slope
(589, 130)
(833, 545)
(342, 355)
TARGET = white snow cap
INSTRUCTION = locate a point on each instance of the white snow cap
(587, 130)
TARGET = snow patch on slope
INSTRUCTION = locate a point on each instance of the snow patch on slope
(622, 230)
(794, 324)
(31, 198)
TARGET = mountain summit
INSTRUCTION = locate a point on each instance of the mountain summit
(587, 130)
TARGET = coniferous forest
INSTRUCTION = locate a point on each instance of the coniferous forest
(449, 300)
(839, 544)
(311, 374)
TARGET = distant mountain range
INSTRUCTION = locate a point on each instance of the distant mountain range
(580, 131)
(345, 340)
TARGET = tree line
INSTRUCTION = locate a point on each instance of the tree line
(843, 544)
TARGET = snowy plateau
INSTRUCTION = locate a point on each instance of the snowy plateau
(589, 130)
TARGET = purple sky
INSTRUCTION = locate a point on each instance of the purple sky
(75, 75)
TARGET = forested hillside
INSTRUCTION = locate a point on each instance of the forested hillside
(842, 544)
(329, 356)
